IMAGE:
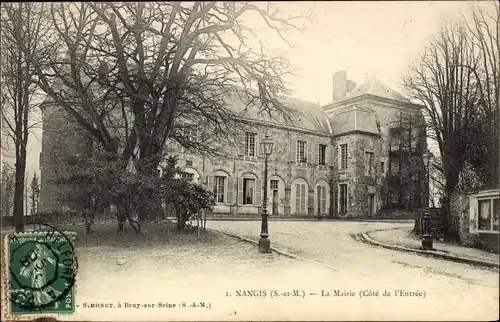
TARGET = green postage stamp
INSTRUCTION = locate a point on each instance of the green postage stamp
(41, 272)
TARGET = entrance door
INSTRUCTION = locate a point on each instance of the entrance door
(318, 199)
(371, 205)
(274, 189)
(275, 202)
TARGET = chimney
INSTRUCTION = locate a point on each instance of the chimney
(341, 85)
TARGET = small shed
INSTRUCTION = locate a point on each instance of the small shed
(479, 218)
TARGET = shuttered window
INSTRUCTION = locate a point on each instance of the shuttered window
(300, 197)
(321, 199)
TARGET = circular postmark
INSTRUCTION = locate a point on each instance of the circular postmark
(42, 270)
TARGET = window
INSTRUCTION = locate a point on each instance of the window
(300, 197)
(382, 167)
(488, 214)
(368, 163)
(219, 183)
(274, 184)
(248, 190)
(322, 154)
(189, 163)
(342, 198)
(250, 144)
(187, 175)
(321, 199)
(301, 151)
(343, 156)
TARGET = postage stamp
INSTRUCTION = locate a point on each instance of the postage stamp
(42, 268)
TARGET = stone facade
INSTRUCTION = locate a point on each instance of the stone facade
(62, 139)
(329, 161)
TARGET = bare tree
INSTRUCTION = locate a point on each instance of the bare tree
(7, 189)
(444, 81)
(139, 75)
(23, 26)
(484, 29)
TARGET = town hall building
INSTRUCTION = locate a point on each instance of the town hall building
(332, 160)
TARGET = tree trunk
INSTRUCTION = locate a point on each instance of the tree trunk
(121, 215)
(451, 183)
(181, 219)
(153, 208)
(18, 217)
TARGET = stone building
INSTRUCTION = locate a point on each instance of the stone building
(327, 160)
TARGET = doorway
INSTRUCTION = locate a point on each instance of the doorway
(371, 205)
(318, 199)
(275, 197)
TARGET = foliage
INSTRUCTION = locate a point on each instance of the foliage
(402, 189)
(188, 199)
(103, 181)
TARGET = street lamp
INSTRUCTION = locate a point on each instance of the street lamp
(427, 163)
(427, 242)
(264, 242)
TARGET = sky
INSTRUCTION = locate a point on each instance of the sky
(364, 39)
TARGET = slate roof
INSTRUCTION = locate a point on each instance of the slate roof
(374, 86)
(303, 114)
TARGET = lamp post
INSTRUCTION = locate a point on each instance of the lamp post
(427, 242)
(427, 163)
(264, 242)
